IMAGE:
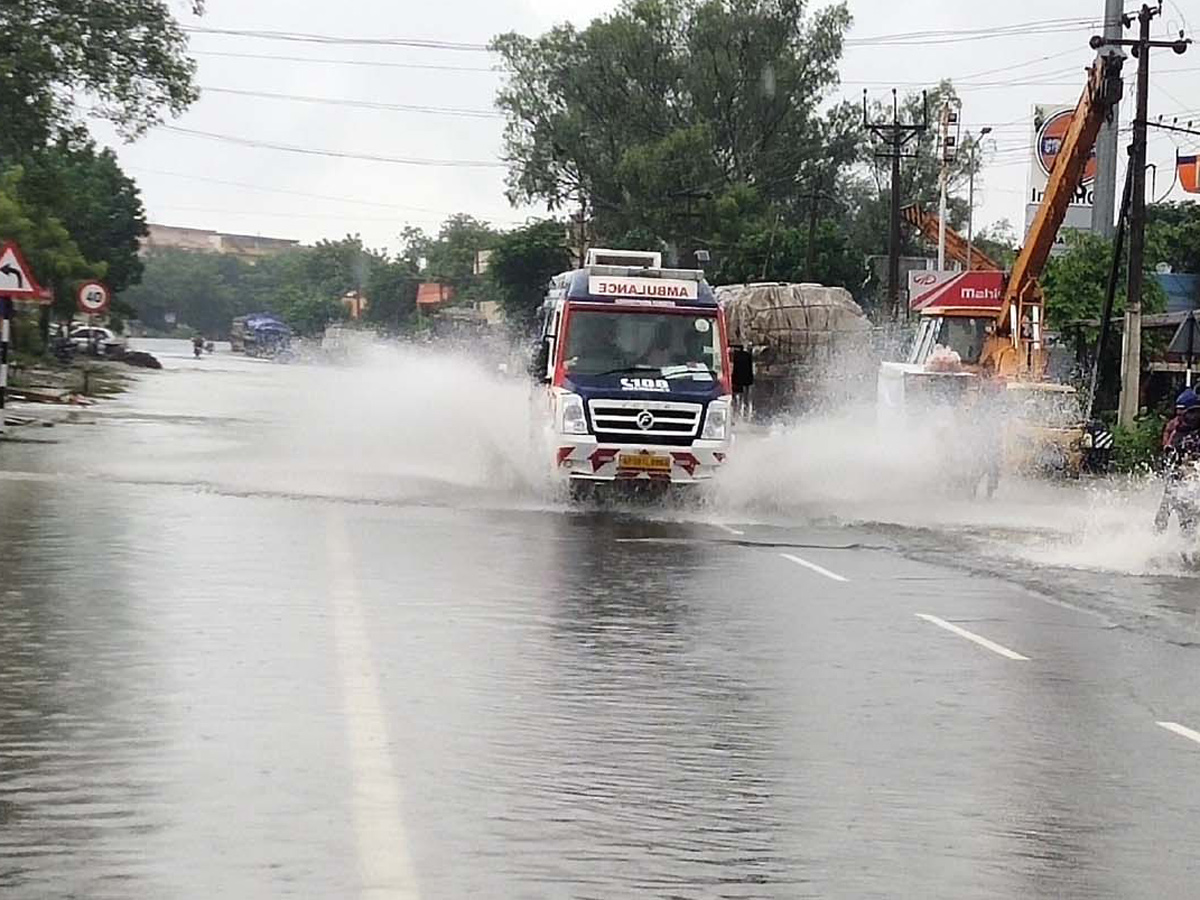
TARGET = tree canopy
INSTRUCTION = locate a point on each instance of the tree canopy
(83, 186)
(686, 124)
(1075, 282)
(75, 213)
(522, 264)
(205, 291)
(649, 117)
(126, 57)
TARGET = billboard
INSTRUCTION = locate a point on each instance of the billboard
(1050, 124)
(930, 291)
(1078, 218)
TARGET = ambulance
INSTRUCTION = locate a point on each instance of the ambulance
(638, 374)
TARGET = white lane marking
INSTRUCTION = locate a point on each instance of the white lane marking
(383, 862)
(1181, 730)
(727, 528)
(971, 636)
(820, 570)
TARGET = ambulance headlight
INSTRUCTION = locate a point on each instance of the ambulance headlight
(716, 421)
(571, 418)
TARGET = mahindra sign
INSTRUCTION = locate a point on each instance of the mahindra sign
(955, 290)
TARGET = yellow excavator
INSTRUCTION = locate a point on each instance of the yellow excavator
(981, 331)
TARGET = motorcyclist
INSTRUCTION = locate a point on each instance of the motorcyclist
(1182, 454)
(198, 345)
(1181, 403)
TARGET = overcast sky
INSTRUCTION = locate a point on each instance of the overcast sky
(196, 181)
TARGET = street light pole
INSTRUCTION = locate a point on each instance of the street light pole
(987, 129)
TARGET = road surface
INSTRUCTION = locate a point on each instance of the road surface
(291, 631)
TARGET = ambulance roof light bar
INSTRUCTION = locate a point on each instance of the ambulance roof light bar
(634, 259)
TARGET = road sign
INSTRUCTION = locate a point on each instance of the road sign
(1186, 341)
(93, 298)
(16, 278)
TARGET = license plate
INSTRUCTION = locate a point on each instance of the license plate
(646, 462)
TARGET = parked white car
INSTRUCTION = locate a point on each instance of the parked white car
(83, 336)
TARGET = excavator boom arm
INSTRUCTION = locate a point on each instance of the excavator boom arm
(956, 245)
(1102, 92)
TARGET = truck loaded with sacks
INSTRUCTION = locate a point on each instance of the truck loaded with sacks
(809, 343)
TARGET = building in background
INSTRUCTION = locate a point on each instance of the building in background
(245, 246)
(356, 304)
(431, 295)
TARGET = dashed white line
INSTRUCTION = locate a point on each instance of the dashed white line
(1181, 730)
(733, 531)
(975, 638)
(375, 796)
(820, 570)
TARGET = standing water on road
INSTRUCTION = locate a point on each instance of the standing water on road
(309, 630)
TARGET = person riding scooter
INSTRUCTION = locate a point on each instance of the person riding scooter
(1182, 458)
(1182, 402)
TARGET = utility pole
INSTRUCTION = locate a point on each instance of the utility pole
(897, 136)
(1131, 357)
(983, 132)
(1105, 185)
(810, 262)
(948, 145)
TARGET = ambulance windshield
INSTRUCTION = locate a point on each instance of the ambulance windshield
(674, 344)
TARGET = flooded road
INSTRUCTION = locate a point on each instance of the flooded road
(301, 631)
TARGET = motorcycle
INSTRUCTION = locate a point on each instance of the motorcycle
(63, 349)
(1181, 496)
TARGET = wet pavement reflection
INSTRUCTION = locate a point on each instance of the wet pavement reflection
(209, 691)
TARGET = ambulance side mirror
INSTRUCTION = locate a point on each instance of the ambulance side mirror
(539, 361)
(743, 368)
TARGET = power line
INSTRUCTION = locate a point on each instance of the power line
(922, 38)
(912, 38)
(303, 38)
(345, 62)
(362, 104)
(305, 194)
(311, 215)
(1021, 65)
(339, 154)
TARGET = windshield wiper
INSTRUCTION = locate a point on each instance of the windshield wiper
(620, 370)
(684, 371)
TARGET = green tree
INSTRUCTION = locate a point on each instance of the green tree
(56, 260)
(1074, 283)
(521, 266)
(304, 309)
(86, 188)
(650, 115)
(392, 294)
(999, 241)
(1173, 235)
(126, 55)
(203, 291)
(450, 257)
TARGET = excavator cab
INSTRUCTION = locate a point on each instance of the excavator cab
(966, 336)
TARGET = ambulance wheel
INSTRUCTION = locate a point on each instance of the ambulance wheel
(581, 491)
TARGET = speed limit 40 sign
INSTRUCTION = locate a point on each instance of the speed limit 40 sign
(93, 298)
